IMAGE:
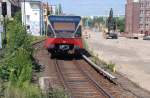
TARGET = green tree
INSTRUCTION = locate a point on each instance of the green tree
(60, 9)
(17, 35)
(16, 68)
(121, 24)
(56, 11)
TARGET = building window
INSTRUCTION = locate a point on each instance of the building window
(141, 26)
(141, 12)
(147, 19)
(141, 31)
(141, 5)
(28, 18)
(141, 0)
(146, 26)
(141, 19)
(35, 5)
(147, 4)
(147, 12)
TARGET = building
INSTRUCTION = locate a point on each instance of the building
(138, 17)
(144, 18)
(12, 7)
(53, 9)
(32, 16)
(132, 17)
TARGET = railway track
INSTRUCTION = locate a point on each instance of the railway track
(78, 82)
(77, 77)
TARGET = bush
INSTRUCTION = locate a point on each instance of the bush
(27, 91)
(17, 35)
(111, 66)
(55, 93)
(16, 67)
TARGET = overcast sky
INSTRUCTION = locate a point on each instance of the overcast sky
(91, 7)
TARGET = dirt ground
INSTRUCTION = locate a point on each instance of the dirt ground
(48, 73)
(131, 56)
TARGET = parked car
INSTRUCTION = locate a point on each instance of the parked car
(112, 35)
(146, 38)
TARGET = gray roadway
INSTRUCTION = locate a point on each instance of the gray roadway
(132, 57)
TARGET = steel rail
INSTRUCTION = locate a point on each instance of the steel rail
(105, 73)
(98, 86)
(62, 78)
(89, 78)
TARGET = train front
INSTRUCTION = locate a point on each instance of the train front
(64, 34)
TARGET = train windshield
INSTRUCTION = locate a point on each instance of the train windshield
(63, 26)
(60, 26)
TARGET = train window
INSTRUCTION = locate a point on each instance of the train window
(64, 26)
(50, 31)
(78, 33)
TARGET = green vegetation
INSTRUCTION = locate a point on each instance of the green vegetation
(55, 93)
(98, 21)
(111, 66)
(37, 39)
(85, 45)
(97, 60)
(16, 65)
(93, 22)
(105, 65)
(121, 24)
(59, 10)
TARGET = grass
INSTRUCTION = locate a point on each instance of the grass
(97, 60)
(37, 38)
(56, 93)
(16, 67)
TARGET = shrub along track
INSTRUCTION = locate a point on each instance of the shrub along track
(77, 77)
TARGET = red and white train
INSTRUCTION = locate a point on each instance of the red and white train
(64, 34)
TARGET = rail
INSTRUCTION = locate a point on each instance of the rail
(100, 88)
(90, 82)
(105, 73)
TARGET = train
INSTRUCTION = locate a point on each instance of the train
(64, 34)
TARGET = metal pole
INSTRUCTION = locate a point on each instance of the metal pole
(0, 35)
(5, 38)
(1, 27)
(24, 15)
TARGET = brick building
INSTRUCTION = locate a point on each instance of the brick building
(132, 17)
(137, 17)
(144, 18)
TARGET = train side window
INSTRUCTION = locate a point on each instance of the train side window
(79, 31)
(50, 32)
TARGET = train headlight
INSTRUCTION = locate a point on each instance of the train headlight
(51, 46)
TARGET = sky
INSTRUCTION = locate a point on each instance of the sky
(91, 7)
